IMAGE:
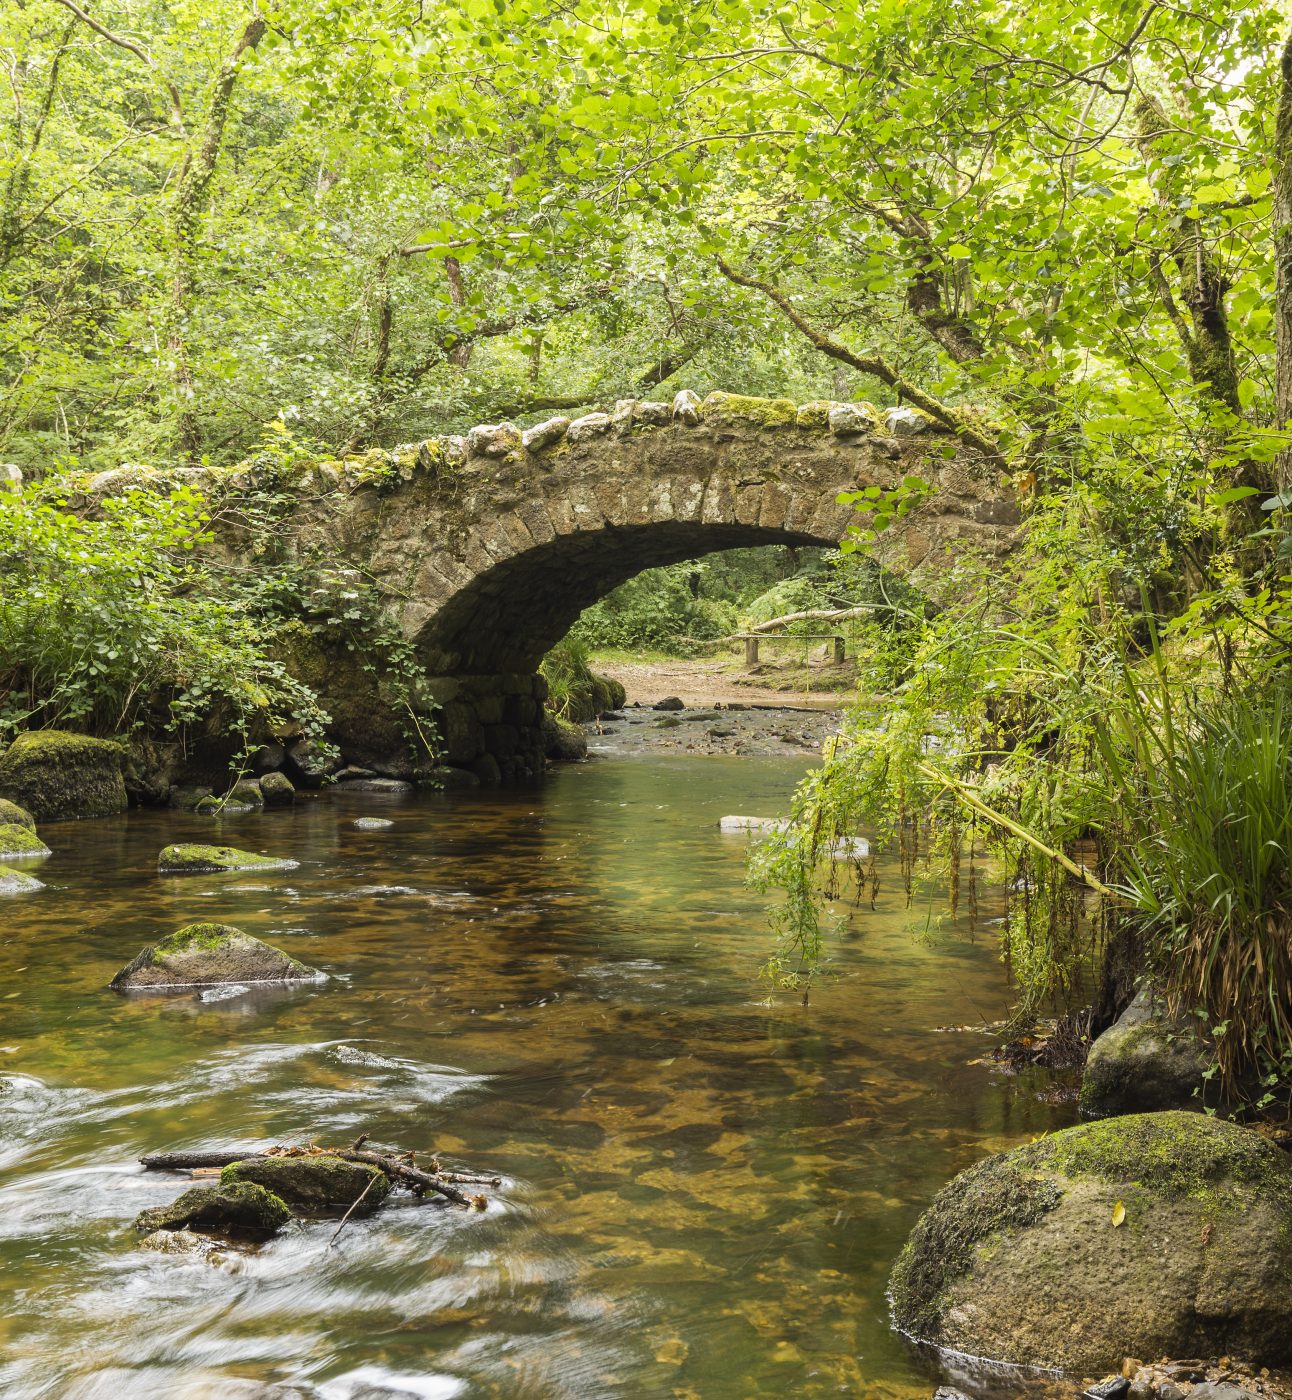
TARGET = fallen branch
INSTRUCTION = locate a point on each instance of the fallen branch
(398, 1170)
(354, 1205)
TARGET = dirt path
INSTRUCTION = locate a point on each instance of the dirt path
(705, 680)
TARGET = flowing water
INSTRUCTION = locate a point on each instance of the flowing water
(704, 1187)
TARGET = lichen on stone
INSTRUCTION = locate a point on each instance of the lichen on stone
(727, 409)
(18, 840)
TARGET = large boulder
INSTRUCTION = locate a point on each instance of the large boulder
(236, 1208)
(192, 858)
(1162, 1234)
(314, 1183)
(54, 774)
(13, 815)
(210, 955)
(563, 742)
(18, 841)
(1143, 1062)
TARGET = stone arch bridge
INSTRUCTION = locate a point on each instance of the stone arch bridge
(483, 549)
(486, 548)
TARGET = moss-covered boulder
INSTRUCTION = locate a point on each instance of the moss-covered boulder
(18, 841)
(237, 1208)
(1162, 1234)
(315, 1184)
(276, 790)
(245, 793)
(13, 815)
(563, 742)
(1143, 1062)
(54, 774)
(15, 882)
(210, 955)
(191, 857)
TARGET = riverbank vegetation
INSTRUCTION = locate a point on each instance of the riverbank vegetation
(1064, 238)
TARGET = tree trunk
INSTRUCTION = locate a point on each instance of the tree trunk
(1283, 264)
(185, 219)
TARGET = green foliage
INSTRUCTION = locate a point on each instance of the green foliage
(113, 620)
(574, 691)
(659, 609)
(1198, 801)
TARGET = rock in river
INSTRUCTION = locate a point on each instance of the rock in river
(15, 882)
(277, 791)
(372, 823)
(1144, 1061)
(1149, 1235)
(209, 955)
(563, 742)
(318, 1183)
(54, 774)
(191, 857)
(18, 841)
(235, 1208)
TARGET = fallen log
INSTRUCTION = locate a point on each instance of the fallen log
(398, 1167)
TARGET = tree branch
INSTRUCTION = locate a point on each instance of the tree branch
(951, 419)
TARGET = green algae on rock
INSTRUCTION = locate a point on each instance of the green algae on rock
(13, 815)
(209, 955)
(55, 774)
(238, 1207)
(1144, 1062)
(18, 841)
(317, 1183)
(276, 790)
(15, 882)
(193, 857)
(1018, 1259)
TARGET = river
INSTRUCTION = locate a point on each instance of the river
(705, 1185)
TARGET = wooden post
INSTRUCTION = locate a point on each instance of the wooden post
(751, 651)
(838, 651)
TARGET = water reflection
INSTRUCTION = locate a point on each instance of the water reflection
(704, 1190)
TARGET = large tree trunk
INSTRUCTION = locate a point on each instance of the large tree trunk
(1283, 263)
(185, 219)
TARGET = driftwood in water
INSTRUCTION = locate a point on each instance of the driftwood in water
(400, 1168)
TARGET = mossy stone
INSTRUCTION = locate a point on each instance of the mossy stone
(276, 790)
(1144, 1062)
(246, 793)
(16, 882)
(192, 857)
(234, 1208)
(13, 815)
(729, 409)
(18, 840)
(210, 955)
(563, 742)
(314, 1183)
(1019, 1260)
(55, 774)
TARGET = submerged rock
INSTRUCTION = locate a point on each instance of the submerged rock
(1153, 1234)
(276, 790)
(563, 742)
(314, 1183)
(372, 823)
(16, 882)
(191, 858)
(55, 774)
(206, 955)
(394, 787)
(238, 1207)
(1143, 1062)
(180, 1242)
(13, 815)
(18, 840)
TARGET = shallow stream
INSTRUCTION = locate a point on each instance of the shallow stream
(704, 1187)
